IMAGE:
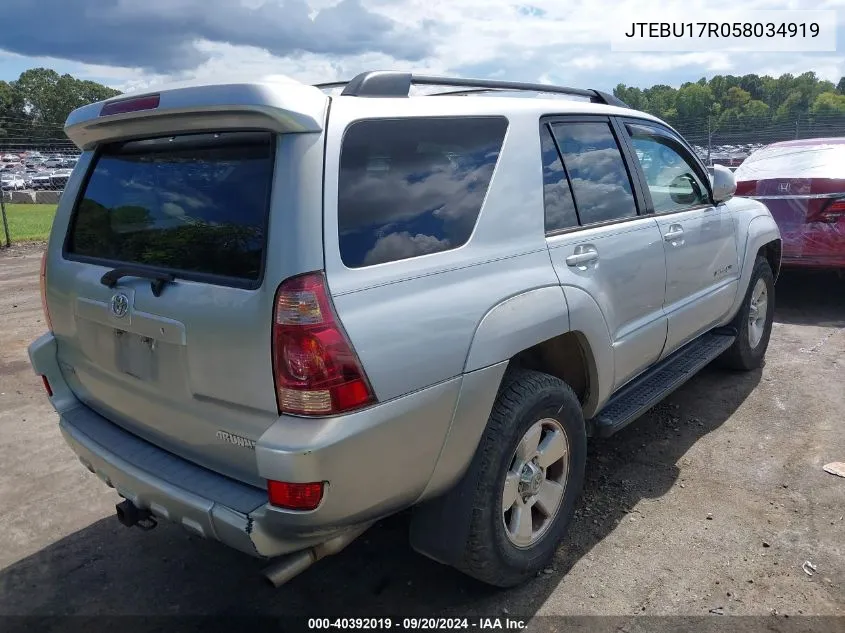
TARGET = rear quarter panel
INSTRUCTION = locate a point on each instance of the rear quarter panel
(412, 321)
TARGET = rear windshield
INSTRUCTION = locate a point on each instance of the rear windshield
(193, 203)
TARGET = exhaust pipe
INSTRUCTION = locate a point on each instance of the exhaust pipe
(129, 514)
(290, 566)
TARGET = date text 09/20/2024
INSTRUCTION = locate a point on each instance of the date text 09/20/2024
(430, 624)
(723, 29)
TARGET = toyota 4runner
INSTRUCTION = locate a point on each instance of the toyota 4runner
(278, 313)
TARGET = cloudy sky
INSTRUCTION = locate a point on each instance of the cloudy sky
(132, 44)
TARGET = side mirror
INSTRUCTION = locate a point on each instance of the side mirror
(724, 183)
(685, 190)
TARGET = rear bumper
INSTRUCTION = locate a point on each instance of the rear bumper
(814, 245)
(375, 462)
(802, 261)
(204, 503)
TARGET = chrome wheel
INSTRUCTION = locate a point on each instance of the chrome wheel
(757, 313)
(535, 482)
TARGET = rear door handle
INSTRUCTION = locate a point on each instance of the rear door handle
(582, 255)
(675, 233)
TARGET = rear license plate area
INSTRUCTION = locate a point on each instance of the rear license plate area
(135, 355)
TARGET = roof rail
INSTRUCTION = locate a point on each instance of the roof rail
(390, 83)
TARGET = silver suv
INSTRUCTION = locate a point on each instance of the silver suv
(278, 314)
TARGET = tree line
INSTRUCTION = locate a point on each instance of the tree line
(750, 103)
(36, 105)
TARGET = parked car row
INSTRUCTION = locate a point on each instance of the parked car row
(45, 180)
(730, 156)
(36, 160)
(35, 172)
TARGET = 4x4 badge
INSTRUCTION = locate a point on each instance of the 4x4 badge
(119, 305)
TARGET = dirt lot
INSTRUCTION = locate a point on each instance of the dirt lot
(711, 501)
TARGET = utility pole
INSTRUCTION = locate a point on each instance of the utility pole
(709, 139)
(5, 222)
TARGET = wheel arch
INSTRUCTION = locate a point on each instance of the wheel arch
(762, 238)
(529, 330)
(772, 251)
(559, 330)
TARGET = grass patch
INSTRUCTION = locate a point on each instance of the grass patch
(28, 222)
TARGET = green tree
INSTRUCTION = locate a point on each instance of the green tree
(736, 98)
(694, 101)
(720, 84)
(38, 89)
(632, 96)
(48, 98)
(828, 104)
(780, 90)
(753, 85)
(792, 107)
(661, 99)
(732, 106)
(754, 115)
(13, 117)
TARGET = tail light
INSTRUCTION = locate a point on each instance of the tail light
(42, 283)
(833, 212)
(316, 371)
(746, 187)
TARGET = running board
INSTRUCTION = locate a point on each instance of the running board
(655, 384)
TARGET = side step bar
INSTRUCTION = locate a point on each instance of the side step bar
(658, 382)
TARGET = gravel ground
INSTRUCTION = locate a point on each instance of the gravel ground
(711, 502)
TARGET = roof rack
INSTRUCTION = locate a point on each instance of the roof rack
(393, 83)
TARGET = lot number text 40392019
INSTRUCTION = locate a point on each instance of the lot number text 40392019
(432, 624)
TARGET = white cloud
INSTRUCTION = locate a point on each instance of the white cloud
(403, 245)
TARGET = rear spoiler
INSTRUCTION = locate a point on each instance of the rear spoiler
(278, 106)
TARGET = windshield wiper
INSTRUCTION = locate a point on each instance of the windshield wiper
(157, 279)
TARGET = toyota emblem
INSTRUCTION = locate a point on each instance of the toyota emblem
(119, 305)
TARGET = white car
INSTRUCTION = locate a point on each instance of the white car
(13, 182)
(41, 181)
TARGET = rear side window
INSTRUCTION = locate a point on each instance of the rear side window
(190, 204)
(411, 187)
(557, 196)
(600, 181)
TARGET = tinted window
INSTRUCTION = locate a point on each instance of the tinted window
(560, 208)
(670, 174)
(600, 181)
(411, 187)
(191, 203)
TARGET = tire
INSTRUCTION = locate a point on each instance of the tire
(525, 399)
(747, 352)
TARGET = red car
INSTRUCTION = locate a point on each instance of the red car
(803, 185)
